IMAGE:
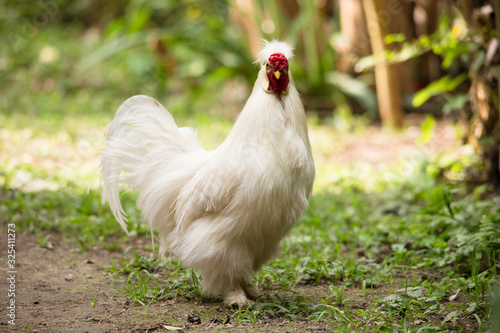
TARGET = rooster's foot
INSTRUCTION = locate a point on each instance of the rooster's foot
(237, 298)
(251, 289)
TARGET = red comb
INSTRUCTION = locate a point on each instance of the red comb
(279, 61)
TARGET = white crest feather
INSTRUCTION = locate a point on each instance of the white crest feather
(272, 47)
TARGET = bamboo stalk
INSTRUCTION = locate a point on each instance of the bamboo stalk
(386, 79)
(496, 8)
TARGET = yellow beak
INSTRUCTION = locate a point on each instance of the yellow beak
(277, 74)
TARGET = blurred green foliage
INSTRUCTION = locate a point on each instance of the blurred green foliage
(456, 44)
(440, 86)
(190, 52)
(182, 48)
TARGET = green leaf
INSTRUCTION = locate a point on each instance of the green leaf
(472, 307)
(414, 293)
(478, 61)
(444, 84)
(365, 63)
(391, 38)
(354, 88)
(451, 317)
(139, 20)
(456, 103)
(426, 130)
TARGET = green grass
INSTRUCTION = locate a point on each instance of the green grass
(419, 254)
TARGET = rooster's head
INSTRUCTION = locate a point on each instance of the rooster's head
(274, 57)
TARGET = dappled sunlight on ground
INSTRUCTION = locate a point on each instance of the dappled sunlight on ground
(37, 161)
(375, 148)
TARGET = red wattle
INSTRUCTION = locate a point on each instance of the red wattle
(273, 83)
(282, 84)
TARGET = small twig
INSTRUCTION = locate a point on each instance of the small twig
(149, 327)
(404, 266)
(416, 270)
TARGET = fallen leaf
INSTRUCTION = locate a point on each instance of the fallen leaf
(452, 297)
(415, 293)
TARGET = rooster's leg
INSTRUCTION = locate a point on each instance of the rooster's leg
(250, 288)
(236, 296)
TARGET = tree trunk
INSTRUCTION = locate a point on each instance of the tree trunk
(484, 125)
(425, 16)
(242, 14)
(398, 16)
(386, 77)
(484, 130)
(355, 40)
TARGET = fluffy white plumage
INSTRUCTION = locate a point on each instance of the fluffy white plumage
(222, 212)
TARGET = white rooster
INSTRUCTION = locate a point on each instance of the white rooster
(222, 212)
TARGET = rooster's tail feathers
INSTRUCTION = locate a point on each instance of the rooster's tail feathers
(142, 133)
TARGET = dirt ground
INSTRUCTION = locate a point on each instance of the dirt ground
(56, 288)
(376, 146)
(60, 289)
